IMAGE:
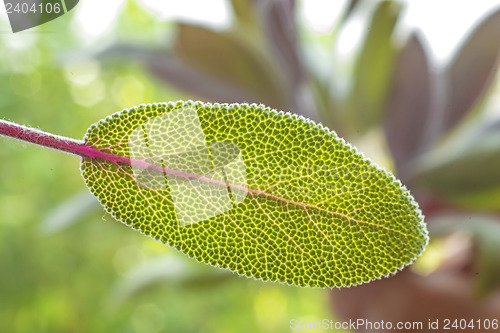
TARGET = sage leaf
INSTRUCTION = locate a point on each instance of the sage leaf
(464, 170)
(373, 69)
(247, 67)
(266, 194)
(471, 71)
(409, 102)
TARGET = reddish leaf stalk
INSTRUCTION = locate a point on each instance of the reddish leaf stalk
(61, 143)
(79, 148)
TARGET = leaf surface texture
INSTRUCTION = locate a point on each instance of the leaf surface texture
(263, 193)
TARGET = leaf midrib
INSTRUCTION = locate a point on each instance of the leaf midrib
(97, 153)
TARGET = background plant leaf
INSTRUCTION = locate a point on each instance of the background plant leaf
(174, 71)
(278, 18)
(69, 212)
(225, 57)
(465, 170)
(246, 15)
(471, 71)
(168, 269)
(373, 68)
(279, 25)
(317, 213)
(409, 102)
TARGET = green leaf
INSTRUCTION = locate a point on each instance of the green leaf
(263, 193)
(373, 69)
(168, 270)
(245, 15)
(465, 169)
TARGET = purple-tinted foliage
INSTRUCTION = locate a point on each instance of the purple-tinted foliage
(471, 71)
(409, 103)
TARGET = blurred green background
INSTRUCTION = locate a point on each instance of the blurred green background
(67, 266)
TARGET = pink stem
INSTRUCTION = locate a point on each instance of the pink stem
(68, 145)
(79, 148)
(41, 138)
